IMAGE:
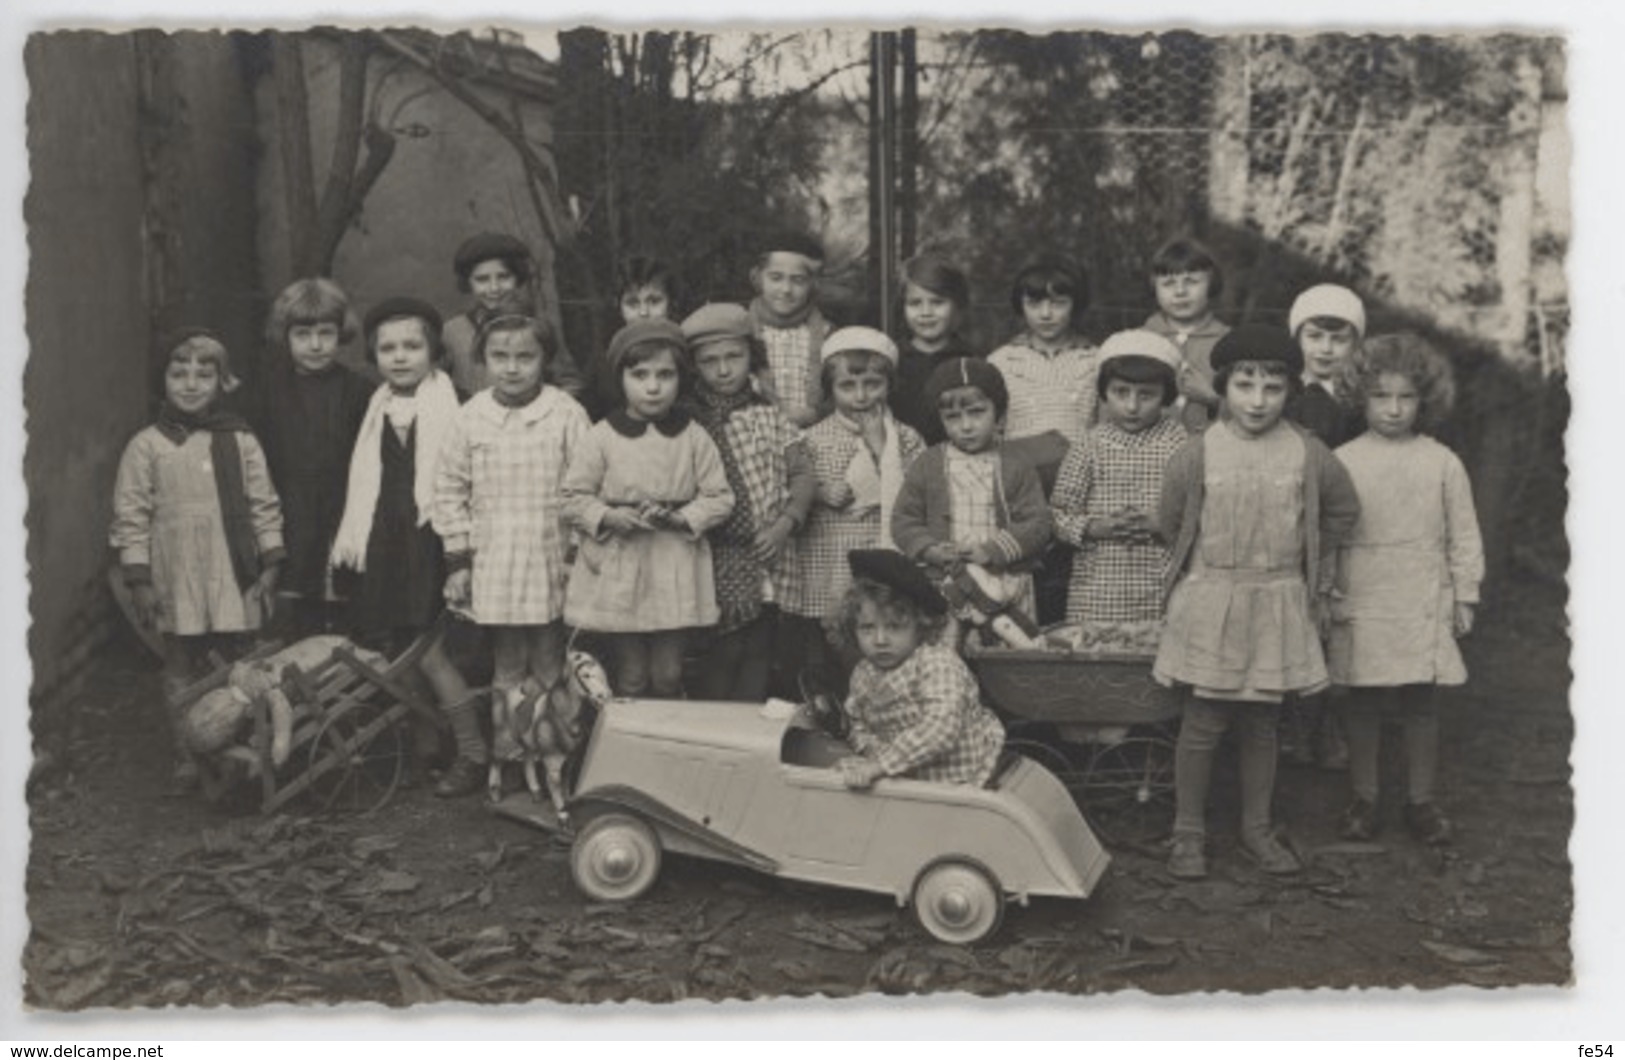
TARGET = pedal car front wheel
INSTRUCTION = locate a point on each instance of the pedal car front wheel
(615, 858)
(958, 901)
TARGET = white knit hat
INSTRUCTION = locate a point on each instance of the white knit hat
(869, 339)
(1139, 342)
(1327, 300)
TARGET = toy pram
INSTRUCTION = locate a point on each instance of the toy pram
(1092, 716)
(320, 721)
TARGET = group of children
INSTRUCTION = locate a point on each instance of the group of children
(766, 502)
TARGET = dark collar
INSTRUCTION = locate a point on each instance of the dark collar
(627, 427)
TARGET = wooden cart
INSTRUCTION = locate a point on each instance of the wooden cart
(349, 740)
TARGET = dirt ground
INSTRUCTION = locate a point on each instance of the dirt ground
(139, 899)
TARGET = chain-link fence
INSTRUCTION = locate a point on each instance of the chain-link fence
(1428, 173)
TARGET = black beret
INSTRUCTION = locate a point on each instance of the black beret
(1258, 342)
(967, 371)
(484, 247)
(398, 307)
(897, 571)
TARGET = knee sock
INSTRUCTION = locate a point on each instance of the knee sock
(1421, 740)
(1258, 759)
(1199, 733)
(1363, 721)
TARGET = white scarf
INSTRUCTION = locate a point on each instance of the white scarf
(436, 409)
(874, 486)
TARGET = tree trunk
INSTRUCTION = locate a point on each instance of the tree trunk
(293, 142)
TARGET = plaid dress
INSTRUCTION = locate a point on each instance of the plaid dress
(833, 531)
(755, 440)
(1114, 581)
(924, 718)
(1048, 391)
(497, 497)
(973, 515)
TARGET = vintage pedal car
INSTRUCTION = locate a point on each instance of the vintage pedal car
(753, 784)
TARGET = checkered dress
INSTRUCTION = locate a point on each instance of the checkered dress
(924, 718)
(831, 531)
(788, 351)
(1114, 581)
(497, 496)
(973, 517)
(1048, 391)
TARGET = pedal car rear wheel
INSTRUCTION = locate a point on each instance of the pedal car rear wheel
(615, 858)
(958, 901)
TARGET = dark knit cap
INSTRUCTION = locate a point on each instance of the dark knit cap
(1258, 342)
(897, 571)
(661, 330)
(484, 247)
(967, 371)
(398, 308)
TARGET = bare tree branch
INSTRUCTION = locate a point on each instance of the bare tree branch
(549, 210)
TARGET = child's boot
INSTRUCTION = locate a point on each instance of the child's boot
(1186, 861)
(1428, 824)
(1271, 856)
(1359, 821)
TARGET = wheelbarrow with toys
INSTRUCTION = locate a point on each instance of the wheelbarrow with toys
(320, 724)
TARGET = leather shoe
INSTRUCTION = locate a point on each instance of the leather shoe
(465, 777)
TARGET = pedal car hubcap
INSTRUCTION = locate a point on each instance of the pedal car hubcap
(617, 863)
(957, 902)
(615, 858)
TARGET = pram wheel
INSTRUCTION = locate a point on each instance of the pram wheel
(1048, 755)
(1135, 771)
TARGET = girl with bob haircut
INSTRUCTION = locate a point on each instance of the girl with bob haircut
(934, 300)
(642, 490)
(1186, 281)
(498, 507)
(1049, 367)
(307, 413)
